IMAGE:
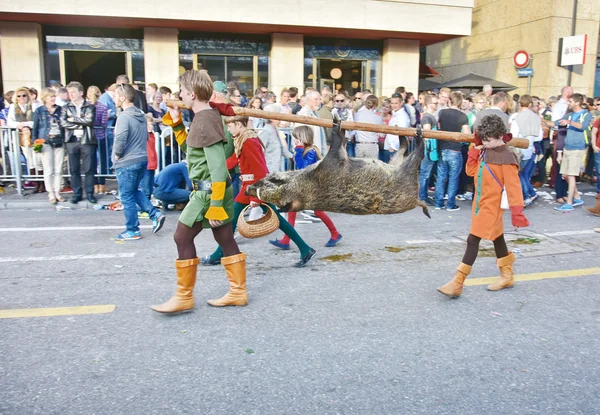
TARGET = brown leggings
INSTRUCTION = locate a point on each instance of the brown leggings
(184, 238)
(473, 248)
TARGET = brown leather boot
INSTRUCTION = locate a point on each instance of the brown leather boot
(453, 289)
(506, 279)
(596, 209)
(183, 300)
(235, 266)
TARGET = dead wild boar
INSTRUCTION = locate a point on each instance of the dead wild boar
(347, 185)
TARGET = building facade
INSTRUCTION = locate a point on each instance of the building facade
(501, 28)
(358, 44)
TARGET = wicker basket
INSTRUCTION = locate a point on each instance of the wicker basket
(262, 226)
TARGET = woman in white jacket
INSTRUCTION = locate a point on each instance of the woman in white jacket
(273, 145)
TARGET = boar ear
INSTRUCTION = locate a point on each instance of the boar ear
(276, 180)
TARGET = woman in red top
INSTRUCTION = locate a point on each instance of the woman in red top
(250, 156)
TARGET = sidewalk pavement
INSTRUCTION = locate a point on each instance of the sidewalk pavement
(36, 201)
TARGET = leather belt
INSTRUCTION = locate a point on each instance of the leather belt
(247, 177)
(206, 185)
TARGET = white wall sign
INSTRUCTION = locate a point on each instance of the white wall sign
(572, 50)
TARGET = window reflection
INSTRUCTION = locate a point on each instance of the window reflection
(263, 71)
(215, 65)
(240, 70)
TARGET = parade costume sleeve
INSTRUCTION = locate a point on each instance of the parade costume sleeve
(178, 129)
(215, 157)
(518, 219)
(473, 162)
(512, 183)
(232, 161)
(253, 162)
(224, 109)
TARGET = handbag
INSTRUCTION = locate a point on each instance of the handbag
(55, 140)
(504, 201)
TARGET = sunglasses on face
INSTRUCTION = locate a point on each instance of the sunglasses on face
(21, 96)
(339, 100)
(357, 99)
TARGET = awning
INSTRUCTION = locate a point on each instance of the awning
(428, 85)
(474, 81)
(427, 72)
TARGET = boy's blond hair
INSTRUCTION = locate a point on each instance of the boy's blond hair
(199, 83)
(237, 118)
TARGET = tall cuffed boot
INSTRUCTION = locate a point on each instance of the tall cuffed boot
(453, 289)
(506, 279)
(596, 209)
(183, 300)
(235, 266)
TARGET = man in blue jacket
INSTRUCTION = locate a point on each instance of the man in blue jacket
(172, 184)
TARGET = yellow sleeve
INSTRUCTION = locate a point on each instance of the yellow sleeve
(178, 129)
(217, 167)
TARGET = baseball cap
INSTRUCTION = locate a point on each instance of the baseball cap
(219, 86)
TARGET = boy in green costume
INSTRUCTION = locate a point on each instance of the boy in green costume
(211, 202)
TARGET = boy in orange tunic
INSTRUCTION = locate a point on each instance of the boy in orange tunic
(495, 167)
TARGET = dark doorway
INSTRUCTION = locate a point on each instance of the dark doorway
(341, 74)
(94, 68)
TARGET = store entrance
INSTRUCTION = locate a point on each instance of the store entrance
(341, 74)
(94, 68)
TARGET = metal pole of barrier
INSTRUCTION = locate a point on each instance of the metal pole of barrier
(173, 149)
(163, 148)
(15, 150)
(157, 147)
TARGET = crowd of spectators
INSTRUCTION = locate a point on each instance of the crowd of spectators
(562, 130)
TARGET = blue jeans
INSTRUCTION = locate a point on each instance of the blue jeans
(597, 166)
(351, 149)
(388, 155)
(236, 183)
(525, 174)
(173, 197)
(448, 171)
(147, 184)
(129, 179)
(424, 174)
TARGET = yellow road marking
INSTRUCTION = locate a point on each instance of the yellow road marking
(538, 276)
(58, 311)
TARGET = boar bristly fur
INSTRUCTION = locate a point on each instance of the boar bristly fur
(347, 185)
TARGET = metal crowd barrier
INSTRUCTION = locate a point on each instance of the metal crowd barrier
(19, 164)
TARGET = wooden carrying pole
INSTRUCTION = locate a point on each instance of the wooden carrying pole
(349, 125)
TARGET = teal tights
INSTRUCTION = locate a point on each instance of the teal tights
(284, 226)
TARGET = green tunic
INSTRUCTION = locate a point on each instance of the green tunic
(207, 163)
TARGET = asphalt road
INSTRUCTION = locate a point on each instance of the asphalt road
(365, 333)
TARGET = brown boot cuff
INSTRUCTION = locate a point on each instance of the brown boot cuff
(464, 268)
(228, 260)
(183, 263)
(507, 260)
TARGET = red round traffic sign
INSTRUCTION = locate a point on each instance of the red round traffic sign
(521, 59)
